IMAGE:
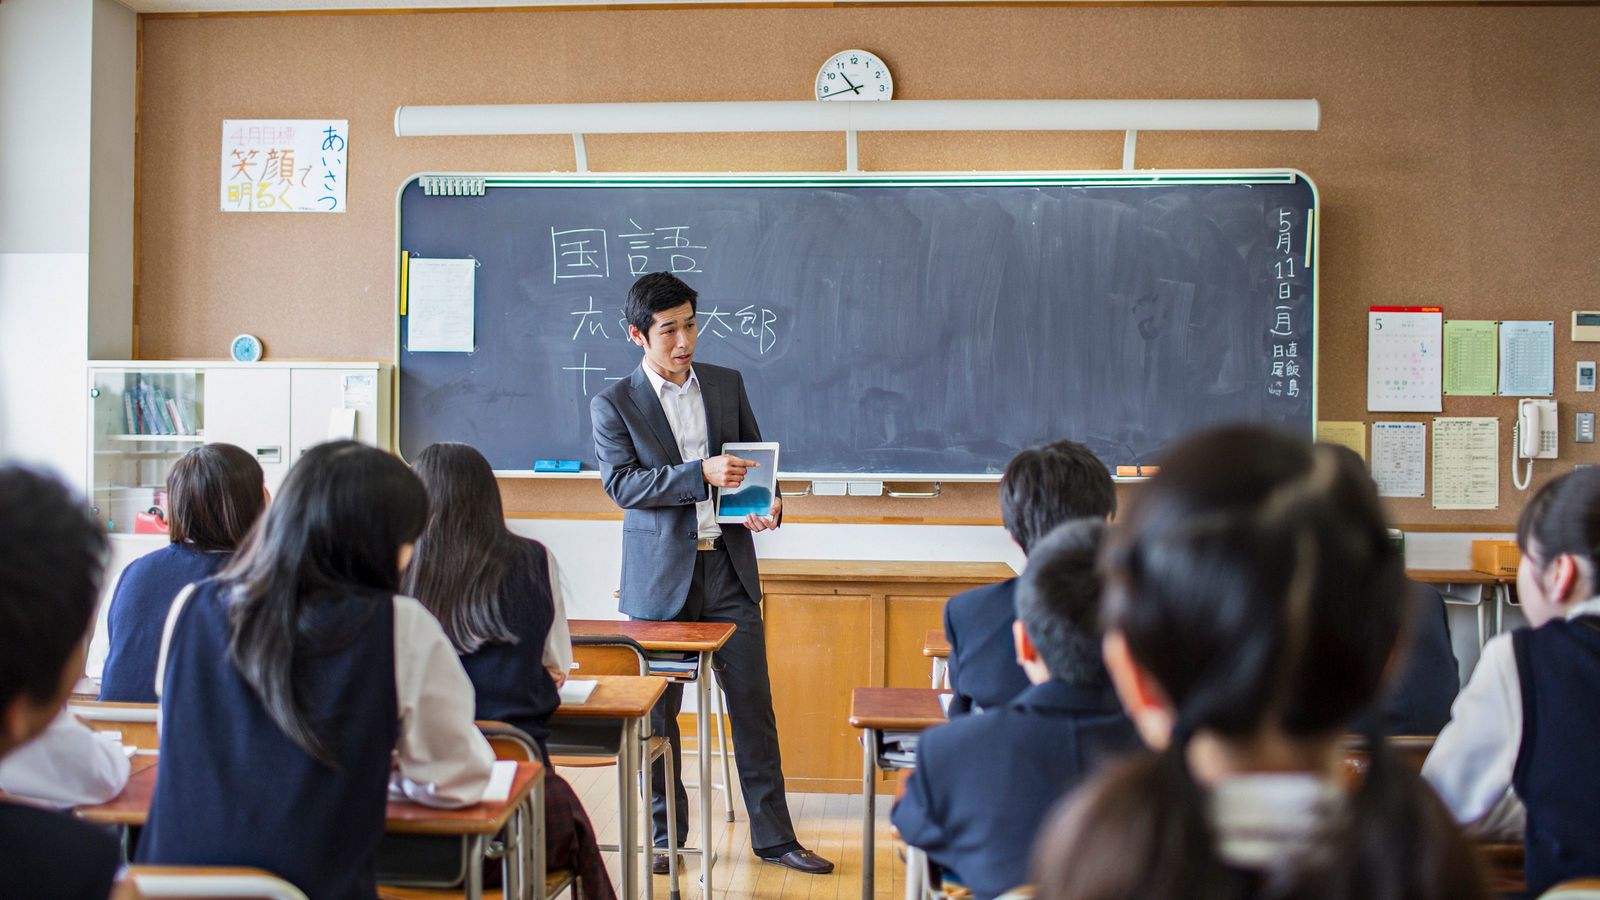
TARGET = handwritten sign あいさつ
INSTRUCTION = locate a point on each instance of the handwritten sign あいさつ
(284, 165)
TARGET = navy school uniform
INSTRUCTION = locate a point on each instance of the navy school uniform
(1558, 667)
(983, 658)
(235, 790)
(1417, 700)
(48, 855)
(510, 680)
(984, 785)
(139, 613)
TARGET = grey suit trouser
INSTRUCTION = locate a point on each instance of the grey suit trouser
(717, 595)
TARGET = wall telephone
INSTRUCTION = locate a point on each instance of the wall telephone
(1534, 436)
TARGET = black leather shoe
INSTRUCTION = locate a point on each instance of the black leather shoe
(659, 864)
(801, 860)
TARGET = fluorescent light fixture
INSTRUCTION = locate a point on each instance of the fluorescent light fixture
(894, 115)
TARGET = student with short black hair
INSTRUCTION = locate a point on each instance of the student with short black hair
(984, 784)
(52, 557)
(1042, 487)
(1252, 602)
(1515, 757)
(499, 599)
(298, 679)
(215, 493)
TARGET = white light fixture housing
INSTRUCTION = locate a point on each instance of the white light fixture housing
(1129, 116)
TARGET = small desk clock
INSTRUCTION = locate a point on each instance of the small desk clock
(246, 348)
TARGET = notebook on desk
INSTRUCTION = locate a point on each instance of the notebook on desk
(576, 692)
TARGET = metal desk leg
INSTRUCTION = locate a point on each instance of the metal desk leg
(1482, 613)
(869, 798)
(475, 868)
(647, 845)
(702, 741)
(937, 680)
(916, 871)
(628, 838)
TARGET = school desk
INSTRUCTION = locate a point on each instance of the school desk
(875, 710)
(702, 639)
(628, 698)
(1500, 588)
(477, 823)
(936, 647)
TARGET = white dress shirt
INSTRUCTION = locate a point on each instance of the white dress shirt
(1263, 820)
(443, 759)
(67, 764)
(1472, 761)
(558, 645)
(686, 414)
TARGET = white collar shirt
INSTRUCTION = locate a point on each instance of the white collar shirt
(685, 409)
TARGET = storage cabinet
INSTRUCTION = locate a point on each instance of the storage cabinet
(145, 414)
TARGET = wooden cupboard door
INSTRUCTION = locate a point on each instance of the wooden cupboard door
(910, 618)
(819, 648)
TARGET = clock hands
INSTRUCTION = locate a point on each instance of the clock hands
(854, 88)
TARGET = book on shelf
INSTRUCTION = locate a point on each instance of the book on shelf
(167, 425)
(178, 421)
(672, 662)
(130, 424)
(150, 423)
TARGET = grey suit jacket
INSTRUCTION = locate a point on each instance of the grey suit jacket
(643, 472)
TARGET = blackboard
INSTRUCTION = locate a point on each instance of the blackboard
(886, 326)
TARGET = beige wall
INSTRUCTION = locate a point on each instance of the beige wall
(1456, 163)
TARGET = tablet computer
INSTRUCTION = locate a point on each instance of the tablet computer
(760, 487)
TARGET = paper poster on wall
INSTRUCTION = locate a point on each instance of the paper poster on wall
(1399, 458)
(1345, 434)
(1466, 462)
(1470, 354)
(1527, 359)
(441, 299)
(284, 165)
(1405, 358)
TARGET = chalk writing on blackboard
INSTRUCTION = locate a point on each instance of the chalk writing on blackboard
(664, 247)
(583, 369)
(594, 326)
(1285, 375)
(580, 253)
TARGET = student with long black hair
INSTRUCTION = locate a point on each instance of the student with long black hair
(294, 682)
(499, 598)
(1514, 760)
(1253, 601)
(215, 493)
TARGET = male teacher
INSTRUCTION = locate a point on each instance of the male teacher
(655, 433)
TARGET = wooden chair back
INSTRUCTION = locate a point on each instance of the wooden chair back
(135, 721)
(607, 654)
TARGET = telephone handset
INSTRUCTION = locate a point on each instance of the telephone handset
(1535, 437)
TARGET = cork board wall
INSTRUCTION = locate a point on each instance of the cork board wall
(1456, 160)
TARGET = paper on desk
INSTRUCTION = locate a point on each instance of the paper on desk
(576, 692)
(1345, 434)
(500, 778)
(1470, 353)
(944, 703)
(1399, 458)
(1466, 463)
(1527, 359)
(440, 305)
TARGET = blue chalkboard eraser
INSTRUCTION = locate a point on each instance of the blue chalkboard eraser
(557, 465)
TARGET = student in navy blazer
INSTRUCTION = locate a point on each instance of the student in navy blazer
(983, 784)
(658, 436)
(1042, 487)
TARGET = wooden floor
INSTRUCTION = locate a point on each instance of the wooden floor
(829, 824)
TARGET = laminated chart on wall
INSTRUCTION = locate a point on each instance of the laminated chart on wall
(1527, 359)
(1471, 351)
(1466, 462)
(1405, 358)
(1399, 458)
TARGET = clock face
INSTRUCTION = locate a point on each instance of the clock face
(246, 348)
(854, 75)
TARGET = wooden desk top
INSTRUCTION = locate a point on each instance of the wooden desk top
(1457, 576)
(898, 709)
(688, 637)
(973, 573)
(617, 697)
(132, 807)
(935, 644)
(127, 885)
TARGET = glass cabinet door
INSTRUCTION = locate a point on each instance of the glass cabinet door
(143, 420)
